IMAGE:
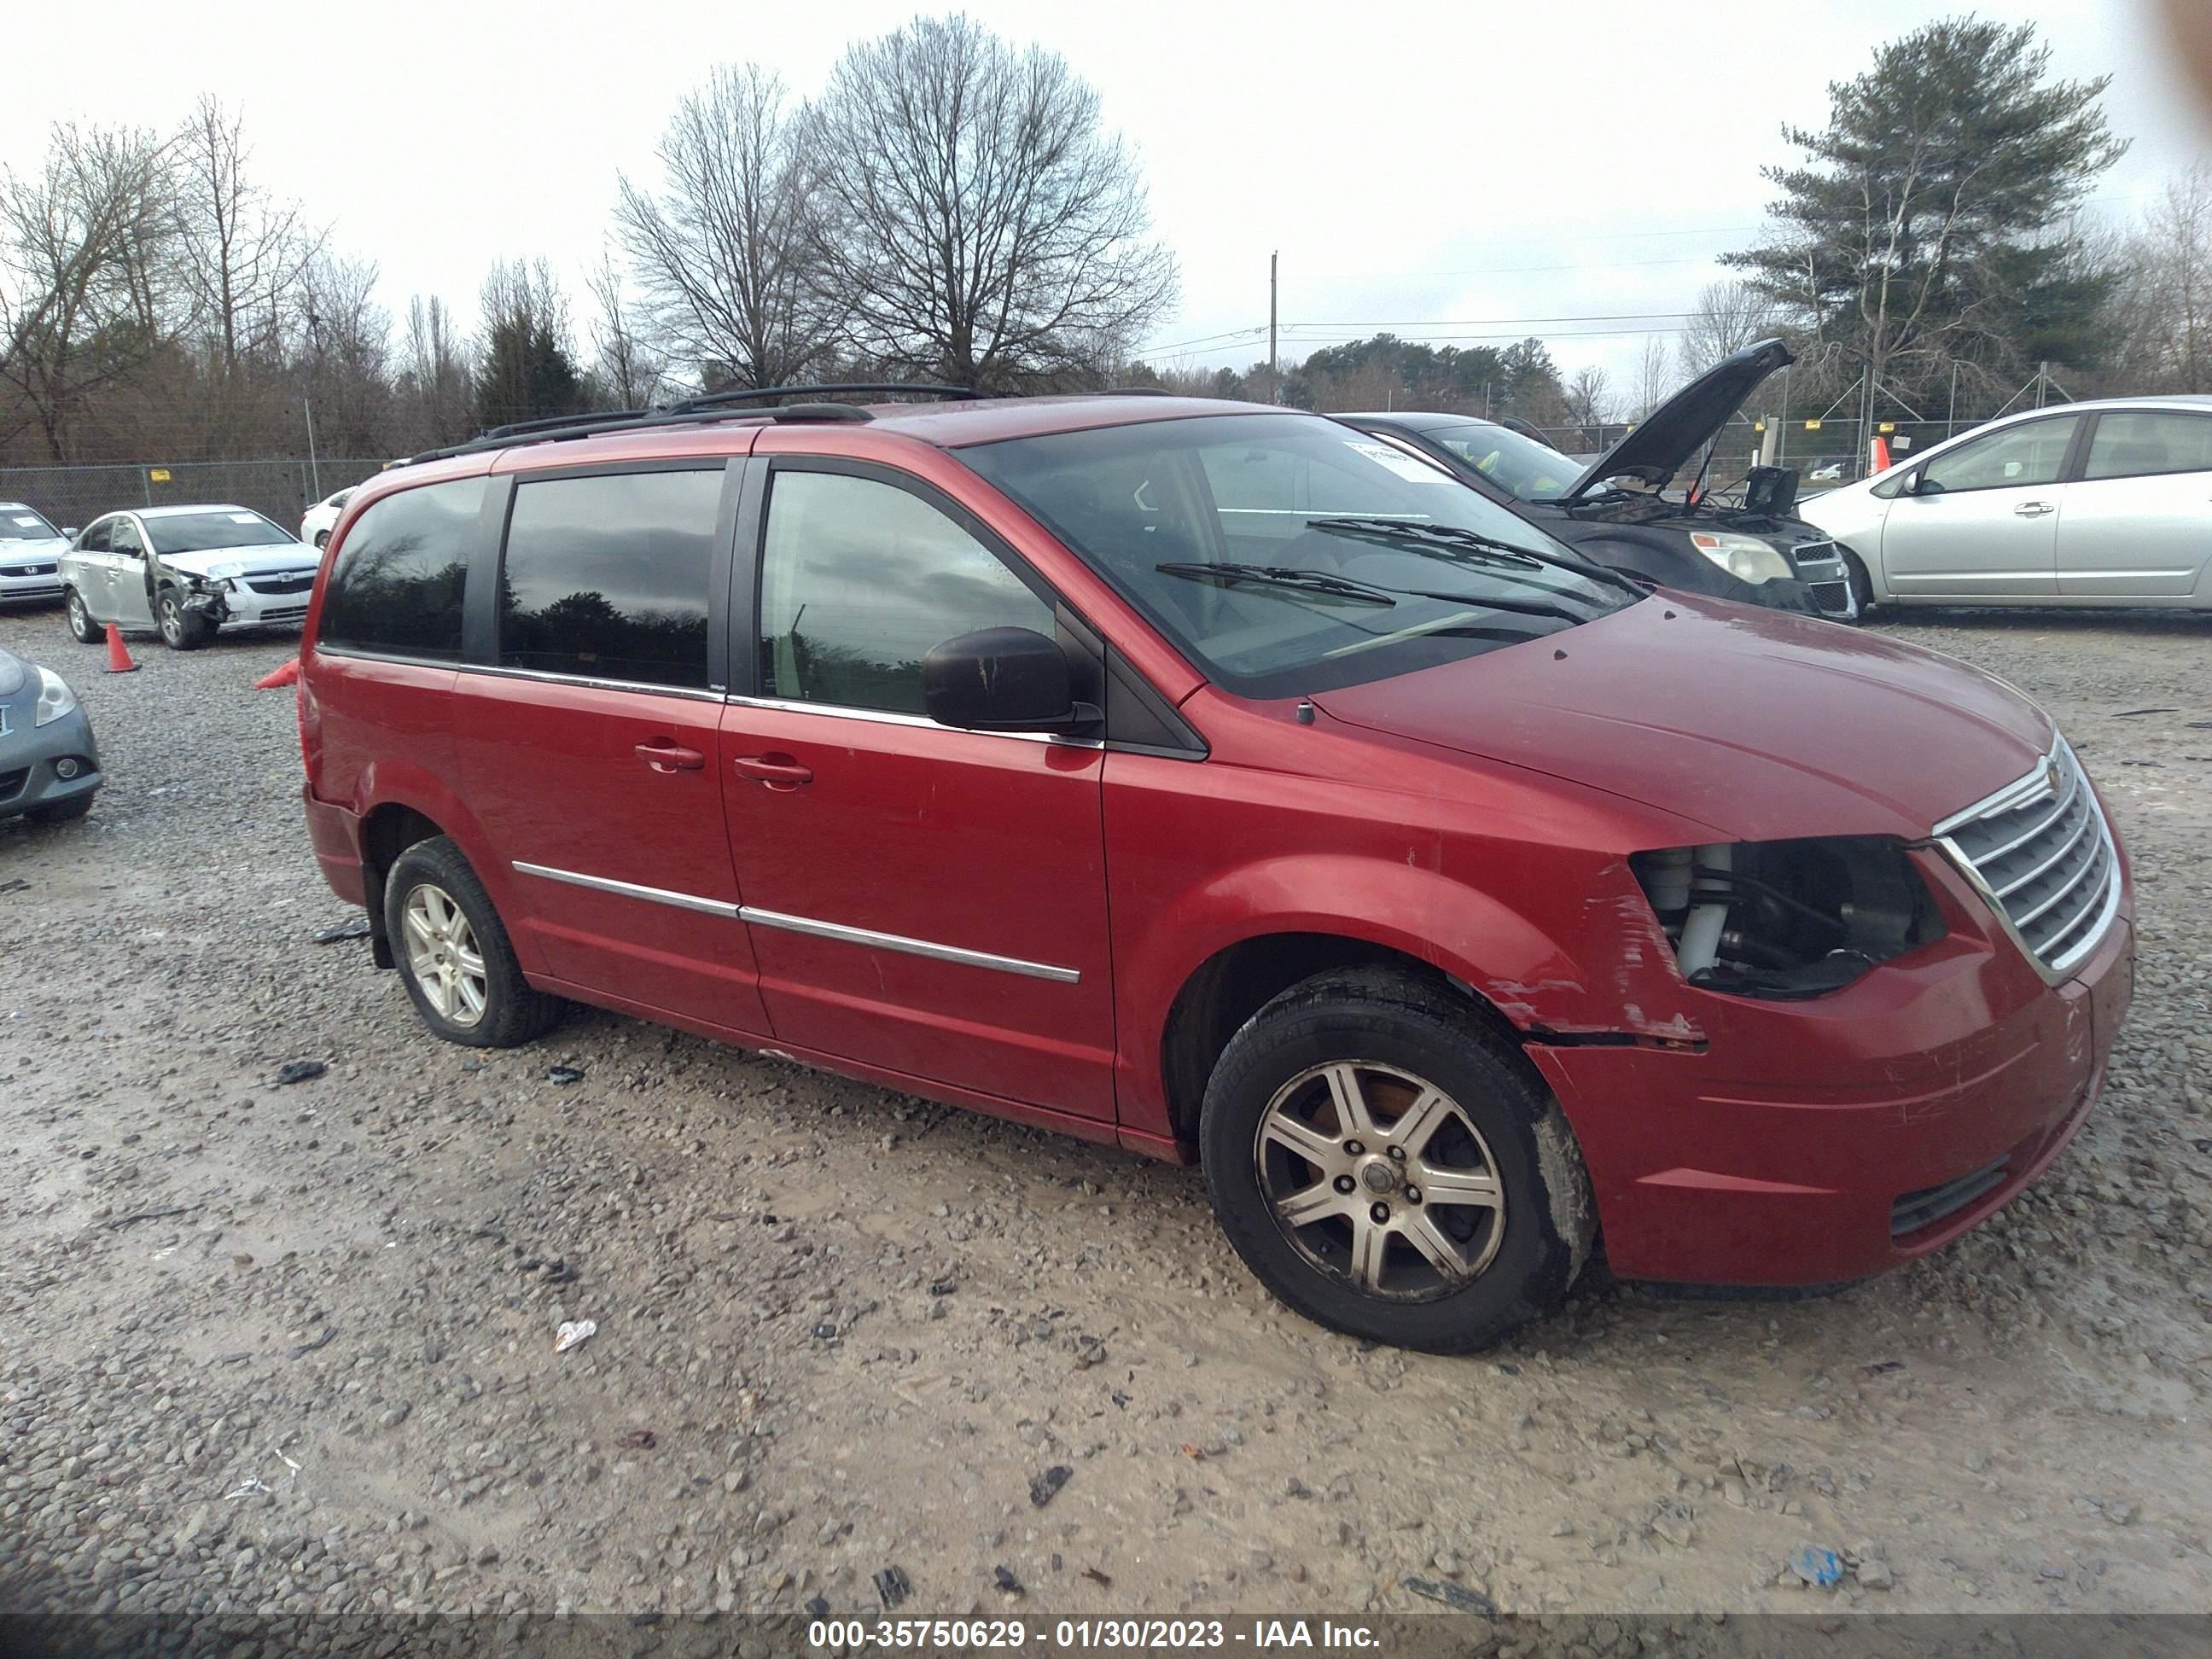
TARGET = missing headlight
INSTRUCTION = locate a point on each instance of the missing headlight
(1787, 918)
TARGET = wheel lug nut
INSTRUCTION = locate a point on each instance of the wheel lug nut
(1398, 1153)
(1344, 1183)
(1354, 1148)
(1379, 1213)
(1413, 1194)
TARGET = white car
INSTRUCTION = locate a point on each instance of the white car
(323, 517)
(30, 555)
(185, 571)
(2104, 503)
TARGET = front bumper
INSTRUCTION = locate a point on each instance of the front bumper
(254, 602)
(30, 764)
(1819, 1142)
(36, 582)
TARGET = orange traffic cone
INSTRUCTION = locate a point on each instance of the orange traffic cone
(277, 677)
(118, 654)
(1881, 454)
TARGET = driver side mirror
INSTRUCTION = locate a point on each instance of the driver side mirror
(69, 532)
(1921, 484)
(1002, 679)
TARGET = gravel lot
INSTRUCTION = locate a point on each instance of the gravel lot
(291, 1346)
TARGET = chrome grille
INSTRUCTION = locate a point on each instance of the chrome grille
(2042, 854)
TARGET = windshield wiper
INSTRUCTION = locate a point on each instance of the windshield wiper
(1457, 544)
(1277, 575)
(1403, 530)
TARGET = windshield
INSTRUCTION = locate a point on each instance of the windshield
(1531, 470)
(1287, 554)
(197, 533)
(21, 524)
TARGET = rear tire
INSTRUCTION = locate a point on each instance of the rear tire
(1389, 1166)
(453, 954)
(181, 629)
(322, 540)
(82, 628)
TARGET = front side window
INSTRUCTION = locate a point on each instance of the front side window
(99, 538)
(606, 577)
(122, 538)
(2139, 442)
(1287, 554)
(859, 579)
(398, 586)
(201, 533)
(2032, 453)
(1531, 470)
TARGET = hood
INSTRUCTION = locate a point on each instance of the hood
(1662, 444)
(250, 561)
(1764, 726)
(35, 548)
(13, 672)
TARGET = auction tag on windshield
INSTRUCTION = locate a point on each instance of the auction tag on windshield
(243, 518)
(29, 524)
(1403, 464)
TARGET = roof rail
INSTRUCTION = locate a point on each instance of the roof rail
(554, 422)
(746, 395)
(1135, 391)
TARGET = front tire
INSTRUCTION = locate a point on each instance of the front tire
(181, 629)
(453, 954)
(322, 540)
(82, 628)
(1861, 585)
(1389, 1166)
(63, 811)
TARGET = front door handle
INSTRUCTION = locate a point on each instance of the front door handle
(2034, 509)
(663, 757)
(776, 771)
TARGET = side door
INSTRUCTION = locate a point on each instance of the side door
(923, 900)
(586, 721)
(89, 568)
(133, 607)
(1981, 520)
(2137, 519)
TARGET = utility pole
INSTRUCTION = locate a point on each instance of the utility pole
(2042, 381)
(313, 468)
(1951, 420)
(1275, 381)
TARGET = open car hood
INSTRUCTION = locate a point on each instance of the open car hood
(1662, 444)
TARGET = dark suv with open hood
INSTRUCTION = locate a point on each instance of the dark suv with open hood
(1617, 509)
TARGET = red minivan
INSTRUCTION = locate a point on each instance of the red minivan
(1221, 782)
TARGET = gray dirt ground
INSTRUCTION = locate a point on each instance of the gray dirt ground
(840, 1329)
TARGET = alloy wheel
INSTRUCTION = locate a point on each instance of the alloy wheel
(443, 956)
(172, 623)
(1378, 1177)
(80, 618)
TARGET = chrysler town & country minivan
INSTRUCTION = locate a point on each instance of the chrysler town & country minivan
(1212, 780)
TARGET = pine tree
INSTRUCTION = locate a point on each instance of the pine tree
(1930, 223)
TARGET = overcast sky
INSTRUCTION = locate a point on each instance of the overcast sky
(1472, 171)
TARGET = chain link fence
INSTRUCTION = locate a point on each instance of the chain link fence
(73, 496)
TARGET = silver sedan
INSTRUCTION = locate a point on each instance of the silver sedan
(2104, 503)
(185, 571)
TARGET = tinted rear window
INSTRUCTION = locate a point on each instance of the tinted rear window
(606, 577)
(402, 574)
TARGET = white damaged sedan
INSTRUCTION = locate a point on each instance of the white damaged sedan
(185, 571)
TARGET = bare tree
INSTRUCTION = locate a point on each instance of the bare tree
(1655, 382)
(1589, 403)
(85, 298)
(631, 372)
(982, 229)
(727, 251)
(435, 384)
(1729, 317)
(344, 363)
(2163, 310)
(246, 253)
